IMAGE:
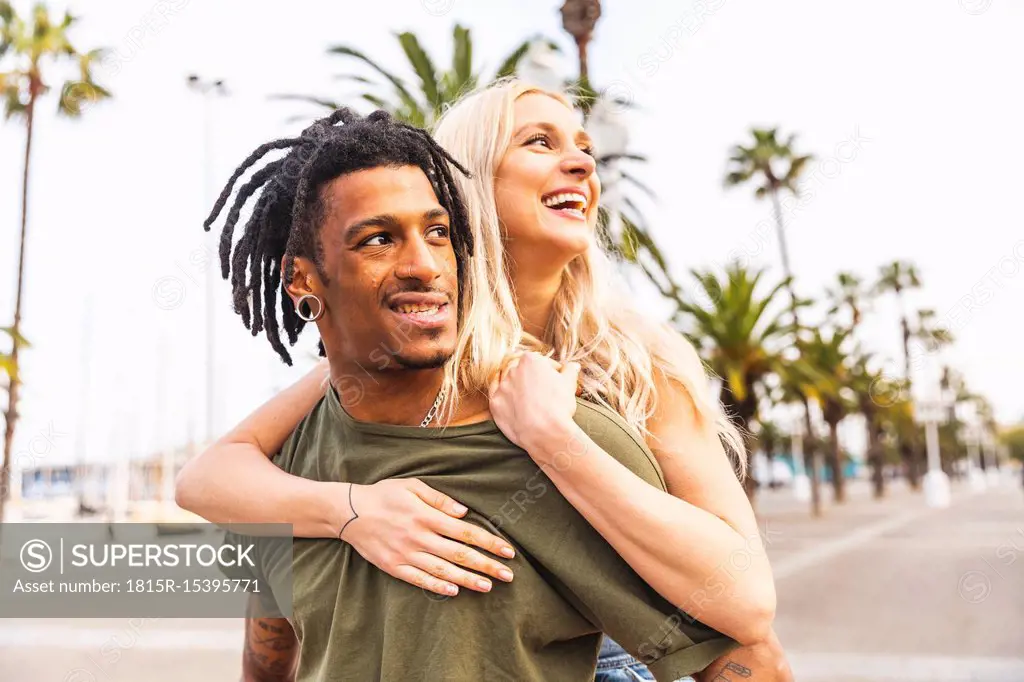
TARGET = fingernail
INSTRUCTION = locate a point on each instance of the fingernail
(505, 574)
(452, 590)
(459, 508)
(484, 585)
(508, 552)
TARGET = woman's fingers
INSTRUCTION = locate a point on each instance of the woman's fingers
(424, 580)
(446, 571)
(463, 555)
(437, 500)
(468, 534)
(465, 532)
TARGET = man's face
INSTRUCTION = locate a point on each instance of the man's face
(392, 294)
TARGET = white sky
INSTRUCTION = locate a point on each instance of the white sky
(924, 88)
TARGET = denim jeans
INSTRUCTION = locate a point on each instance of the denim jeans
(616, 665)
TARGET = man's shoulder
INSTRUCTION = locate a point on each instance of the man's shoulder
(306, 437)
(614, 435)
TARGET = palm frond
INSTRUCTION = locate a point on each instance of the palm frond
(423, 67)
(406, 97)
(309, 99)
(462, 56)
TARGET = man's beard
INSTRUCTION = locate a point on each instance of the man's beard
(435, 361)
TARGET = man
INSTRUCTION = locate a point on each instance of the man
(371, 236)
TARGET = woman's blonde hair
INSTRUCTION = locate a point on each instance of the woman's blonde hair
(620, 351)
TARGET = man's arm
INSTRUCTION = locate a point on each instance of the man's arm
(763, 662)
(271, 650)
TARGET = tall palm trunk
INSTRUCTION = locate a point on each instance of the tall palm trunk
(11, 415)
(909, 446)
(906, 348)
(811, 455)
(835, 460)
(812, 459)
(780, 229)
(581, 49)
(909, 453)
(579, 17)
(743, 411)
(875, 457)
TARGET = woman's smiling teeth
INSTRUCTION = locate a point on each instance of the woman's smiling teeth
(572, 203)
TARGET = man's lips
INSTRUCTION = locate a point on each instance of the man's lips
(427, 310)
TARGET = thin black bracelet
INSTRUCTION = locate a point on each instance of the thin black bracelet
(354, 514)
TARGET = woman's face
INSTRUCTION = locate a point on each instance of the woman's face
(546, 187)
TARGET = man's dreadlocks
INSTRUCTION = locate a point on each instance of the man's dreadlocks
(288, 213)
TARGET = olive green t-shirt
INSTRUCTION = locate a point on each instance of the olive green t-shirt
(356, 623)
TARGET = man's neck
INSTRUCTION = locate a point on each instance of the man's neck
(396, 396)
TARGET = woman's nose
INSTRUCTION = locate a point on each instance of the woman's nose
(579, 164)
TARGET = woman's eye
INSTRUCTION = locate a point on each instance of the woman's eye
(540, 138)
(589, 151)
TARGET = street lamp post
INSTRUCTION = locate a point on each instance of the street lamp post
(967, 413)
(975, 477)
(208, 89)
(936, 482)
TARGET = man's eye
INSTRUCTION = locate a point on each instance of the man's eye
(440, 231)
(376, 240)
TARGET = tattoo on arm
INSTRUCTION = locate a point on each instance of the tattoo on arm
(724, 670)
(271, 650)
(741, 672)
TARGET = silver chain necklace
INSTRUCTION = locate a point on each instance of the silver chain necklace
(433, 408)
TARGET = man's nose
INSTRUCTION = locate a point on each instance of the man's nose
(419, 262)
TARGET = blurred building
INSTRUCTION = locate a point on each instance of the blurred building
(136, 488)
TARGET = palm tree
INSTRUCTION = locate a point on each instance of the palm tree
(579, 17)
(769, 437)
(927, 331)
(897, 277)
(795, 381)
(829, 357)
(873, 394)
(847, 294)
(631, 239)
(777, 169)
(26, 44)
(739, 337)
(437, 88)
(7, 360)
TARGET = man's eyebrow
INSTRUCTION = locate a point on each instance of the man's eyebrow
(390, 221)
(434, 214)
(385, 220)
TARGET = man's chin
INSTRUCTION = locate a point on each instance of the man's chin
(426, 361)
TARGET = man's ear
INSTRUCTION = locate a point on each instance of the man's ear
(304, 280)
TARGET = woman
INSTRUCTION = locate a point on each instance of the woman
(533, 209)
